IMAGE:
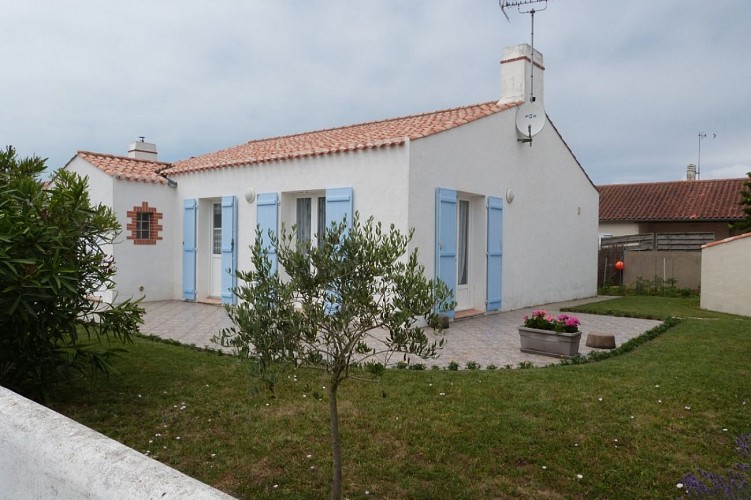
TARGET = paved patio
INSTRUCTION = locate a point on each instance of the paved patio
(488, 339)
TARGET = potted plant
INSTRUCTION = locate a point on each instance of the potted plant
(543, 333)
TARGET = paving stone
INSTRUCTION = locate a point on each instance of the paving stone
(486, 339)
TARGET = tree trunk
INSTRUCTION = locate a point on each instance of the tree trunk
(336, 448)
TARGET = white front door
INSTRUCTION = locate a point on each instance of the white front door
(216, 250)
(463, 289)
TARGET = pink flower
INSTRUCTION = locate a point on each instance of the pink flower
(542, 320)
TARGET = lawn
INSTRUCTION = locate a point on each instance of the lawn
(629, 426)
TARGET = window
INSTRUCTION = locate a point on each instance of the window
(308, 216)
(303, 219)
(216, 232)
(463, 242)
(144, 225)
(321, 216)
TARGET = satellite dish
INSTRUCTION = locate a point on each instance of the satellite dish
(530, 120)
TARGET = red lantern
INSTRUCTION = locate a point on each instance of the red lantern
(619, 265)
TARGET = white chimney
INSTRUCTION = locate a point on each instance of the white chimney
(141, 150)
(691, 172)
(517, 76)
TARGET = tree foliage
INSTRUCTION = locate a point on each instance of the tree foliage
(350, 299)
(51, 264)
(744, 225)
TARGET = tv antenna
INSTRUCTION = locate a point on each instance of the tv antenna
(530, 117)
(702, 136)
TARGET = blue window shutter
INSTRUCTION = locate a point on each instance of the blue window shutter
(445, 239)
(495, 253)
(267, 218)
(189, 249)
(339, 204)
(229, 248)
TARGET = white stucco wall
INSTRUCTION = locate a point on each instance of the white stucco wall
(146, 270)
(379, 178)
(100, 184)
(46, 455)
(550, 229)
(725, 275)
(101, 191)
(142, 270)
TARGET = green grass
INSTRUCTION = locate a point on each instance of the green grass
(622, 423)
(650, 308)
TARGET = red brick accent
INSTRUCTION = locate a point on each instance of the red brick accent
(154, 227)
(522, 58)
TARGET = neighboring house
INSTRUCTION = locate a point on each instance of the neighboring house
(663, 225)
(688, 206)
(506, 225)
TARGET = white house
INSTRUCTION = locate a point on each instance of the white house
(145, 204)
(507, 224)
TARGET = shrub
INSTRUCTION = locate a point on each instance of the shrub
(52, 264)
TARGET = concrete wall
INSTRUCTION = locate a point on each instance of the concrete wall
(46, 455)
(726, 274)
(685, 267)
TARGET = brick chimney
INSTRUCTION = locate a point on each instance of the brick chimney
(141, 150)
(517, 77)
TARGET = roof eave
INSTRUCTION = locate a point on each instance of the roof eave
(175, 170)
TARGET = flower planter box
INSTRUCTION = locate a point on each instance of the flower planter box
(549, 343)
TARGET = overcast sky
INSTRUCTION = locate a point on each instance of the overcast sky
(629, 84)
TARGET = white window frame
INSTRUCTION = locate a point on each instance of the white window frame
(317, 217)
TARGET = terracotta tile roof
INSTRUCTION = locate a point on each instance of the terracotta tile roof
(125, 168)
(369, 135)
(710, 200)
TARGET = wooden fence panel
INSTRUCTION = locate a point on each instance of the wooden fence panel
(691, 242)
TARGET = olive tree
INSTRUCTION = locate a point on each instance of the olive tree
(355, 296)
(52, 263)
